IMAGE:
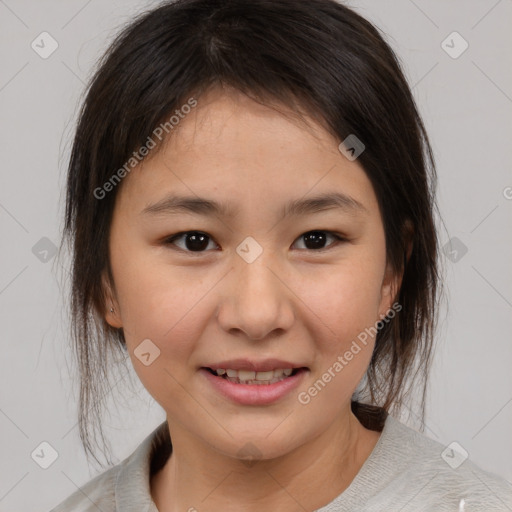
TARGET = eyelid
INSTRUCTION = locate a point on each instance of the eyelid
(339, 238)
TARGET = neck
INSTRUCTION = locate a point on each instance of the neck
(195, 477)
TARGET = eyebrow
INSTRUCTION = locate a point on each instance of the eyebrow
(173, 204)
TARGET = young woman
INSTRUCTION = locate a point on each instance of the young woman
(250, 210)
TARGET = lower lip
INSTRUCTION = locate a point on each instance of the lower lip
(254, 394)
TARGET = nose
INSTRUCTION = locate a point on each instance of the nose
(256, 299)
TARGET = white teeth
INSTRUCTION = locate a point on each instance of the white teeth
(265, 375)
(247, 375)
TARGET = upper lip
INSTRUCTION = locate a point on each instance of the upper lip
(255, 366)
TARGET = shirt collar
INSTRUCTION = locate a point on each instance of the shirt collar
(132, 487)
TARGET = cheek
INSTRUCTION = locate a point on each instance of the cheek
(172, 311)
(342, 312)
(160, 303)
(344, 300)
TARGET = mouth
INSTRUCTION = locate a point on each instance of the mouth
(254, 378)
(251, 387)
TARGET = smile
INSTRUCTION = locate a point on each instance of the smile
(252, 377)
(249, 387)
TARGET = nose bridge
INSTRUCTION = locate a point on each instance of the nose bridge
(259, 302)
(255, 278)
(258, 290)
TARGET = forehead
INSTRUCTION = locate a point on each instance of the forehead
(227, 116)
(234, 149)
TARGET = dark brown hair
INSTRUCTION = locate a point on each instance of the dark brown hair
(315, 56)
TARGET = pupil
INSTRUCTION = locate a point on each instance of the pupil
(316, 239)
(196, 242)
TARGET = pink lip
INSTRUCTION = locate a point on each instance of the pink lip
(255, 366)
(254, 394)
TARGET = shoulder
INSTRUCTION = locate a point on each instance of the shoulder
(437, 477)
(97, 494)
(126, 485)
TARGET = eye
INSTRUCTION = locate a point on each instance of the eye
(316, 239)
(197, 241)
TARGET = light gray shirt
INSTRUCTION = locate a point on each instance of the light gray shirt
(406, 472)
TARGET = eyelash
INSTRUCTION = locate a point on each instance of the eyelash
(338, 239)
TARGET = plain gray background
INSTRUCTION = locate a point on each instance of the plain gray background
(466, 103)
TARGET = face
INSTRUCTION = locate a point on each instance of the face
(238, 287)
